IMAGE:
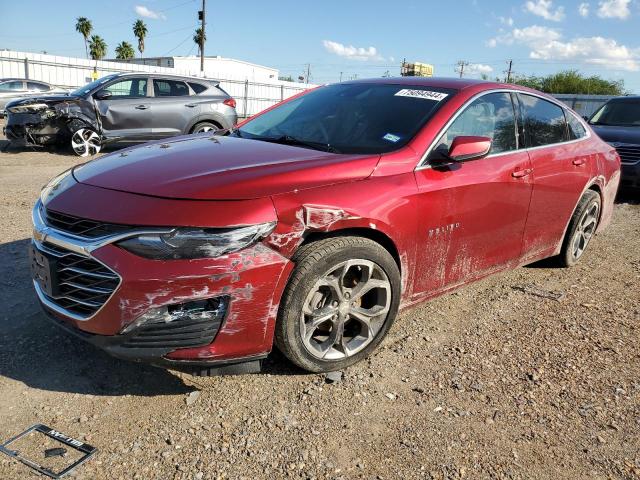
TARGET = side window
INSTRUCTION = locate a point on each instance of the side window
(11, 86)
(37, 87)
(170, 88)
(135, 87)
(492, 116)
(198, 88)
(576, 129)
(544, 121)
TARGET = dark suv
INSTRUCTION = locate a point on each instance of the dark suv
(121, 107)
(617, 122)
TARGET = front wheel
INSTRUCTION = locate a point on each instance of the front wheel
(342, 298)
(85, 142)
(582, 227)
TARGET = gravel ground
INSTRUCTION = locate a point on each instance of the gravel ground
(533, 373)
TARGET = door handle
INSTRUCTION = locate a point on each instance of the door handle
(141, 107)
(522, 173)
(191, 105)
(579, 161)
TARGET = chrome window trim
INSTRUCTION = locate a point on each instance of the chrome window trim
(422, 165)
(42, 233)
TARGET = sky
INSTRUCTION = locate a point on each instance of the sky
(363, 38)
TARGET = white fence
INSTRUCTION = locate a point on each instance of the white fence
(68, 72)
(585, 105)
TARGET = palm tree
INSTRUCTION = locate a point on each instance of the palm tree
(84, 27)
(199, 38)
(125, 51)
(97, 47)
(140, 31)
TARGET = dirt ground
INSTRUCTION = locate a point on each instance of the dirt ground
(493, 381)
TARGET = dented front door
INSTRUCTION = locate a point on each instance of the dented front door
(473, 213)
(127, 113)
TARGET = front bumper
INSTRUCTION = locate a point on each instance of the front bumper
(630, 177)
(251, 281)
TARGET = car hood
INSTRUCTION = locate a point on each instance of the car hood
(48, 99)
(206, 167)
(613, 134)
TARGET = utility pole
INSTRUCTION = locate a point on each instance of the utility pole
(341, 76)
(509, 71)
(461, 65)
(306, 77)
(201, 14)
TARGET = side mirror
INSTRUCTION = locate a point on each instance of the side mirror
(102, 95)
(469, 148)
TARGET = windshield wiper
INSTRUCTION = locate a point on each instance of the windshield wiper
(289, 140)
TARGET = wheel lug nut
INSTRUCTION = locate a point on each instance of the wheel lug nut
(347, 295)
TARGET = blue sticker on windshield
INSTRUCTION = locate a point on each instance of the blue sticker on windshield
(391, 137)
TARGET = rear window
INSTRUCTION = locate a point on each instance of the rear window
(197, 87)
(351, 118)
(170, 88)
(38, 87)
(576, 129)
(544, 121)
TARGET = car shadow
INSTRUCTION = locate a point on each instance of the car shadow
(36, 352)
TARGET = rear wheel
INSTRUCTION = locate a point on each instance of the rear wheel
(581, 229)
(85, 142)
(342, 298)
(202, 127)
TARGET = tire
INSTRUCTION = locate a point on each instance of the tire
(327, 305)
(202, 127)
(582, 227)
(85, 141)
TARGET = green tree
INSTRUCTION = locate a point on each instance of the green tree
(124, 51)
(199, 38)
(573, 82)
(84, 27)
(140, 31)
(97, 47)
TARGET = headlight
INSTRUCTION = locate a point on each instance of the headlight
(190, 243)
(28, 108)
(56, 186)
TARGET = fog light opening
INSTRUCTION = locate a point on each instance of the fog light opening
(192, 311)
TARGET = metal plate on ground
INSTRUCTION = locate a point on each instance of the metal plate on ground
(35, 445)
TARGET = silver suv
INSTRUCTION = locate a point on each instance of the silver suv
(128, 107)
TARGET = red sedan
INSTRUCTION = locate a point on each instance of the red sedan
(313, 223)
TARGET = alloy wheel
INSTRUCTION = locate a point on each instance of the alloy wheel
(205, 128)
(585, 230)
(345, 309)
(85, 142)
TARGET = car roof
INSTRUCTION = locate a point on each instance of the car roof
(165, 75)
(631, 98)
(438, 82)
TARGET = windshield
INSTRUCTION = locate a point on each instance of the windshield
(90, 86)
(350, 118)
(619, 113)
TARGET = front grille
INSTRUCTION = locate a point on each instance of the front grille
(80, 284)
(81, 226)
(629, 153)
(187, 328)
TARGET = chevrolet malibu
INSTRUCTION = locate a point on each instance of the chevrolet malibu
(312, 224)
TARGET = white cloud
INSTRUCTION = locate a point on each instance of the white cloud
(508, 21)
(596, 50)
(531, 36)
(351, 52)
(583, 10)
(145, 12)
(545, 9)
(614, 9)
(547, 44)
(478, 68)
